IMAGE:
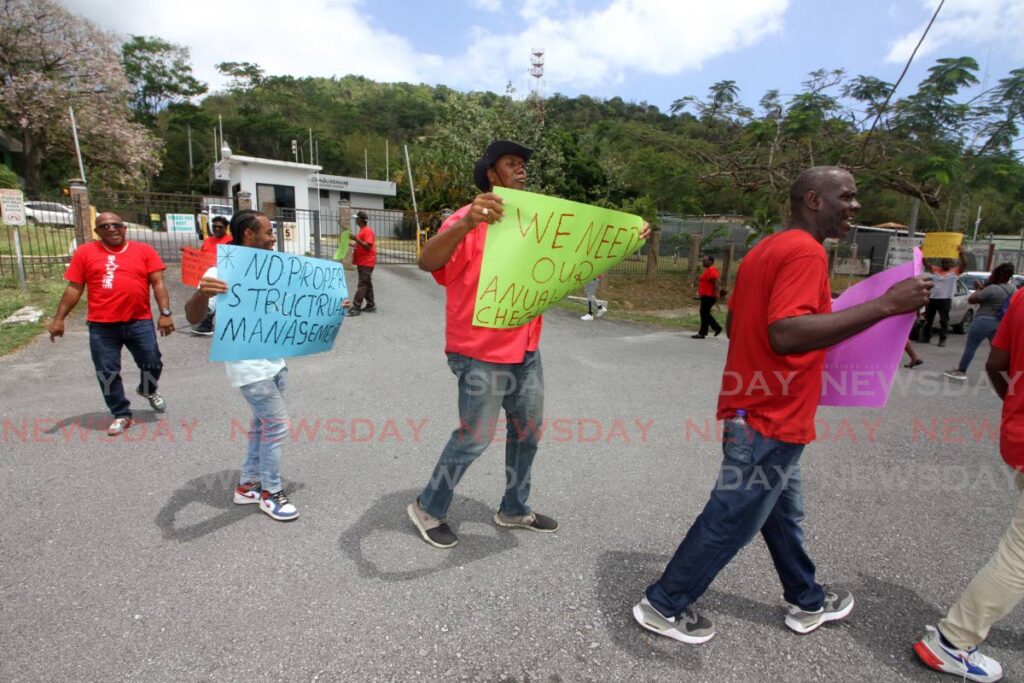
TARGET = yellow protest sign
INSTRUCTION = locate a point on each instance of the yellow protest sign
(543, 249)
(942, 244)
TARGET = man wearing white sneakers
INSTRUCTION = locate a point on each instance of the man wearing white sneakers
(999, 586)
(779, 324)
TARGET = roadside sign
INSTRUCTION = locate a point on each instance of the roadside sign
(901, 250)
(12, 207)
(181, 222)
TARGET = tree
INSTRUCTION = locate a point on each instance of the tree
(51, 60)
(160, 73)
(243, 75)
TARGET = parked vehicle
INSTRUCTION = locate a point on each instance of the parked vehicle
(49, 213)
(976, 279)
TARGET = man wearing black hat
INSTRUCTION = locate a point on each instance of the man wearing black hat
(496, 368)
(364, 258)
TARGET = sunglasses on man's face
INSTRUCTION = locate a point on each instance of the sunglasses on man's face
(110, 226)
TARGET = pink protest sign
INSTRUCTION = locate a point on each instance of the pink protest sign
(859, 371)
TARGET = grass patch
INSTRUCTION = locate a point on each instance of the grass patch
(41, 292)
(36, 240)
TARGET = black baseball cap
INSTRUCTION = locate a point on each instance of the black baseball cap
(495, 151)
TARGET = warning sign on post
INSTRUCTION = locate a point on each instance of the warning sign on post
(12, 207)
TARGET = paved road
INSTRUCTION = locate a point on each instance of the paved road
(125, 559)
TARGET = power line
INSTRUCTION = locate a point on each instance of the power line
(885, 104)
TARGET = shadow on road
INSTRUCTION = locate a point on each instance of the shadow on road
(388, 515)
(621, 580)
(214, 491)
(98, 422)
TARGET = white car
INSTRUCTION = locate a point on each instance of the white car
(49, 213)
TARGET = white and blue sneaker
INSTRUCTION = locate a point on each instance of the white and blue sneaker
(937, 653)
(277, 506)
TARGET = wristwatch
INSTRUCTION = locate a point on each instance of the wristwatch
(165, 311)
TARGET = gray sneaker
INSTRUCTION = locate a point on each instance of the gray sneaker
(838, 603)
(688, 627)
(434, 531)
(956, 374)
(533, 521)
(156, 401)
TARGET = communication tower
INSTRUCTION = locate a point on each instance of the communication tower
(537, 70)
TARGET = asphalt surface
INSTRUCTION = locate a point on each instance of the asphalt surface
(124, 559)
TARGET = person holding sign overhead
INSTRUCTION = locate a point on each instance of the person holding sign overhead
(119, 275)
(780, 323)
(944, 276)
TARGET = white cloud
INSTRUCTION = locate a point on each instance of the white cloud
(964, 24)
(589, 48)
(588, 42)
(298, 37)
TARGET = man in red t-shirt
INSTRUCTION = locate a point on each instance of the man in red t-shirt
(118, 275)
(780, 322)
(707, 289)
(496, 368)
(219, 228)
(220, 235)
(364, 258)
(999, 586)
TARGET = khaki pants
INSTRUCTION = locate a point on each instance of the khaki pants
(994, 591)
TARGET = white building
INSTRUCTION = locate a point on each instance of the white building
(362, 193)
(273, 185)
(292, 192)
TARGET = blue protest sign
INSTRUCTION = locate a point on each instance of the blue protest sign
(277, 304)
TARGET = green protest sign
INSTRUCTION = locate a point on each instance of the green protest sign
(543, 249)
(342, 245)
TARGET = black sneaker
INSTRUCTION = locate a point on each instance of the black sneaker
(353, 312)
(203, 329)
(370, 309)
(533, 521)
(434, 531)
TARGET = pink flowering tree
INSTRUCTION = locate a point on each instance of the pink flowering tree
(51, 59)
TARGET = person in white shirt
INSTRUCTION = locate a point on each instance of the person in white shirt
(262, 383)
(944, 276)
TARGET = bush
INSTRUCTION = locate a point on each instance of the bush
(9, 179)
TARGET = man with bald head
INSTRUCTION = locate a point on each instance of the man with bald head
(119, 275)
(780, 323)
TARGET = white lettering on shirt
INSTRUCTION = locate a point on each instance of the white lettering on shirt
(108, 275)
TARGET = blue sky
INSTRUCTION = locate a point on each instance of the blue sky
(641, 50)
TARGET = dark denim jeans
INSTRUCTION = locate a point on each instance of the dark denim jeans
(105, 343)
(758, 489)
(484, 389)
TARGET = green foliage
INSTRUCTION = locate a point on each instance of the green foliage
(709, 154)
(159, 73)
(9, 179)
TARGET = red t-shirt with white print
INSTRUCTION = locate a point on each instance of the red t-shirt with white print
(116, 280)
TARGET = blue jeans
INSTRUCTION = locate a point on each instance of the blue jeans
(984, 327)
(758, 489)
(484, 389)
(268, 428)
(105, 343)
